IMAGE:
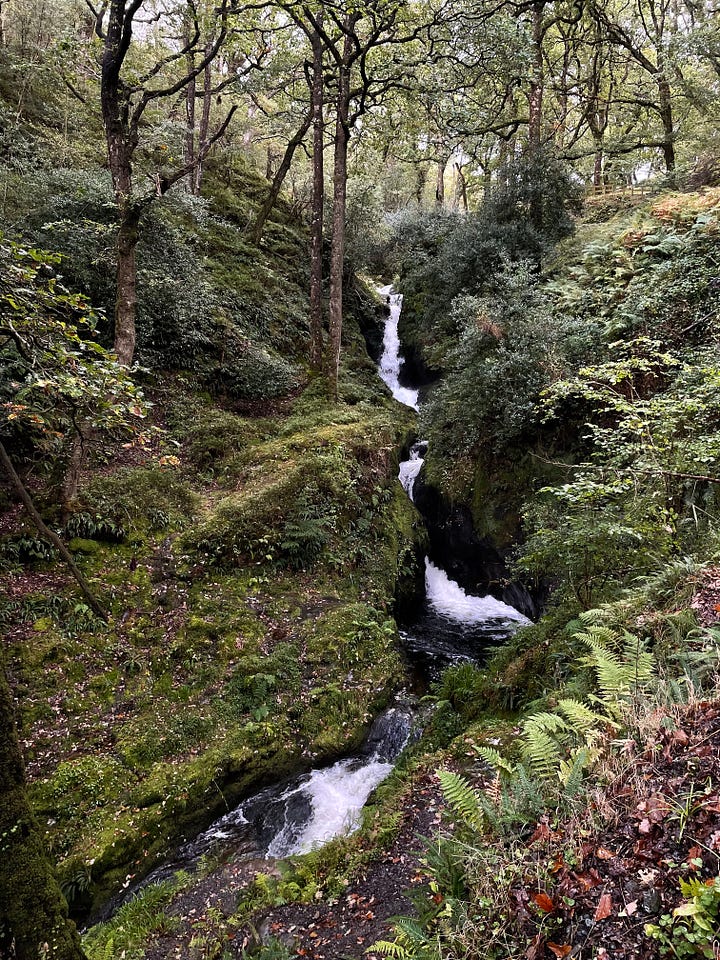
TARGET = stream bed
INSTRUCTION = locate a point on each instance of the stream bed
(304, 812)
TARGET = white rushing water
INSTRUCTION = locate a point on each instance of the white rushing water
(392, 360)
(449, 599)
(337, 796)
(409, 469)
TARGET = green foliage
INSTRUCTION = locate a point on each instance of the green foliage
(691, 930)
(126, 934)
(55, 380)
(139, 493)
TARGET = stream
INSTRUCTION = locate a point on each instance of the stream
(450, 626)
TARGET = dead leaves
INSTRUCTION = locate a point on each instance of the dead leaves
(604, 908)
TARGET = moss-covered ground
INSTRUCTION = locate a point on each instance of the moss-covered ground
(251, 630)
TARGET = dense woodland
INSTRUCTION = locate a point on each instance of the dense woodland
(204, 548)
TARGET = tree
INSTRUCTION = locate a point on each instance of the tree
(59, 387)
(33, 912)
(125, 99)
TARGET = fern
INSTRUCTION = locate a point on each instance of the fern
(542, 747)
(580, 717)
(618, 674)
(389, 948)
(501, 766)
(462, 798)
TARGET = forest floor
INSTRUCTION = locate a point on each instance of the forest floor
(338, 927)
(587, 886)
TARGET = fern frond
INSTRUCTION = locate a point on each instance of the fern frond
(580, 717)
(639, 659)
(541, 750)
(572, 770)
(495, 759)
(462, 798)
(388, 948)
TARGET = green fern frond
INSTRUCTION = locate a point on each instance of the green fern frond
(639, 660)
(388, 948)
(580, 717)
(572, 770)
(495, 759)
(410, 931)
(462, 798)
(541, 750)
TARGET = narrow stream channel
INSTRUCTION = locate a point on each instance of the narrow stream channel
(304, 812)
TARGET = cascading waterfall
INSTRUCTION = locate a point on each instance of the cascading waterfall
(303, 813)
(452, 625)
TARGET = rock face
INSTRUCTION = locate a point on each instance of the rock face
(472, 561)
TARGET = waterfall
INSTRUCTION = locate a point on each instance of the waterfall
(391, 360)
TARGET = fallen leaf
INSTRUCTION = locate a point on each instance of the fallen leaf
(560, 950)
(604, 908)
(543, 901)
(602, 853)
(645, 826)
(630, 909)
(536, 948)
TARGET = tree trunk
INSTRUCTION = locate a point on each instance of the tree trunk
(440, 184)
(461, 188)
(282, 171)
(126, 299)
(598, 169)
(50, 535)
(204, 125)
(421, 177)
(318, 204)
(666, 115)
(189, 152)
(33, 913)
(536, 79)
(337, 254)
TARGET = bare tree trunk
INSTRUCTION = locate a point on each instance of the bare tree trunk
(204, 124)
(49, 534)
(318, 204)
(337, 254)
(440, 184)
(265, 210)
(33, 911)
(537, 79)
(126, 300)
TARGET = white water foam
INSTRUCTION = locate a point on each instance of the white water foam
(337, 795)
(391, 360)
(409, 469)
(449, 599)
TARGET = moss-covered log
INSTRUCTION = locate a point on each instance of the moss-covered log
(33, 913)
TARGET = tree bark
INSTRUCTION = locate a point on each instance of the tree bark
(536, 80)
(337, 254)
(666, 116)
(440, 184)
(189, 152)
(204, 131)
(126, 299)
(33, 911)
(318, 205)
(265, 210)
(46, 532)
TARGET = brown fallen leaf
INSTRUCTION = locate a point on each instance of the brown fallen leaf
(602, 853)
(559, 949)
(604, 908)
(543, 901)
(536, 948)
